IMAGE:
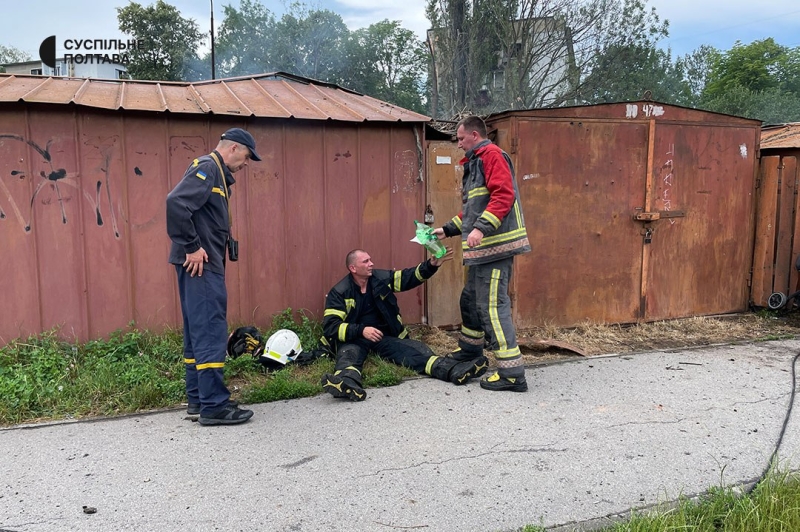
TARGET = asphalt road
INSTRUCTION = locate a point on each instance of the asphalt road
(593, 438)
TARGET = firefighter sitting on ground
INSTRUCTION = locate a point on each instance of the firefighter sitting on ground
(362, 315)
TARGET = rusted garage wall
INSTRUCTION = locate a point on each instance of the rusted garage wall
(82, 214)
(777, 245)
(636, 212)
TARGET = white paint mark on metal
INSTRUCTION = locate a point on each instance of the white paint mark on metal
(443, 160)
(631, 111)
(405, 171)
(666, 194)
(652, 110)
(743, 151)
(530, 176)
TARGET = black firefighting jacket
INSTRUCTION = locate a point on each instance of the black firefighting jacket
(340, 304)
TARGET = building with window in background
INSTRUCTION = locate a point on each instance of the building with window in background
(69, 68)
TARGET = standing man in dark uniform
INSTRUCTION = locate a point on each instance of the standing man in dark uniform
(492, 232)
(198, 223)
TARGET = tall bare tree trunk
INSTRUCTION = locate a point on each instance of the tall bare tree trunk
(459, 36)
(434, 79)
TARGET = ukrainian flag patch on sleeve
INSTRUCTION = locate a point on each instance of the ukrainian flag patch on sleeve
(201, 175)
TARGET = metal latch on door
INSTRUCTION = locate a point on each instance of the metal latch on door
(657, 215)
(647, 217)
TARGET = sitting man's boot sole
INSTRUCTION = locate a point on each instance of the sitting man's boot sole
(465, 371)
(342, 387)
(496, 383)
(230, 415)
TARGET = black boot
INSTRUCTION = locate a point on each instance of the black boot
(459, 371)
(344, 384)
(496, 383)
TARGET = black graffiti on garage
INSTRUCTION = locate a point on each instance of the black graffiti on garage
(56, 179)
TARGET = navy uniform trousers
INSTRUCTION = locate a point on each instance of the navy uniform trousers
(204, 303)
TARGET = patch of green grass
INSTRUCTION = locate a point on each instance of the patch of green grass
(532, 528)
(774, 506)
(46, 378)
(379, 373)
(281, 385)
(293, 382)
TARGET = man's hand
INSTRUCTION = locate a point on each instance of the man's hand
(474, 238)
(372, 334)
(439, 232)
(194, 262)
(447, 256)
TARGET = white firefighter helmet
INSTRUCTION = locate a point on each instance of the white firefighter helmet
(282, 347)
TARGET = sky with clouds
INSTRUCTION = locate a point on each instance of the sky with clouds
(719, 23)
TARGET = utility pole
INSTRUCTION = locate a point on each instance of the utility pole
(213, 62)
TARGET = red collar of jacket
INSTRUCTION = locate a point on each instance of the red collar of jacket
(476, 151)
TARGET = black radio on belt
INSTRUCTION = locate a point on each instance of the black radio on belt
(233, 249)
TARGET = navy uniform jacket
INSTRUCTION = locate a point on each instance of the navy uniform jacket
(197, 213)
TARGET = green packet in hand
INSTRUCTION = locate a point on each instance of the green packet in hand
(431, 242)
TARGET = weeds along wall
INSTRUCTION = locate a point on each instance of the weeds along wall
(82, 214)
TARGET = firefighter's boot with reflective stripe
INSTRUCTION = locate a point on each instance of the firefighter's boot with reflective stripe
(344, 384)
(497, 383)
(459, 371)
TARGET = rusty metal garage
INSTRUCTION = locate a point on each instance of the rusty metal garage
(85, 166)
(635, 211)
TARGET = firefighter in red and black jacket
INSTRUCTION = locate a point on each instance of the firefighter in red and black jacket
(362, 315)
(492, 232)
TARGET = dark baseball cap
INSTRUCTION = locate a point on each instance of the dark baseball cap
(242, 137)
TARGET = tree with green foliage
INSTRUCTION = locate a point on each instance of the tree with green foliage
(245, 40)
(759, 80)
(757, 66)
(312, 44)
(389, 63)
(693, 69)
(9, 54)
(771, 106)
(170, 42)
(384, 60)
(633, 72)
